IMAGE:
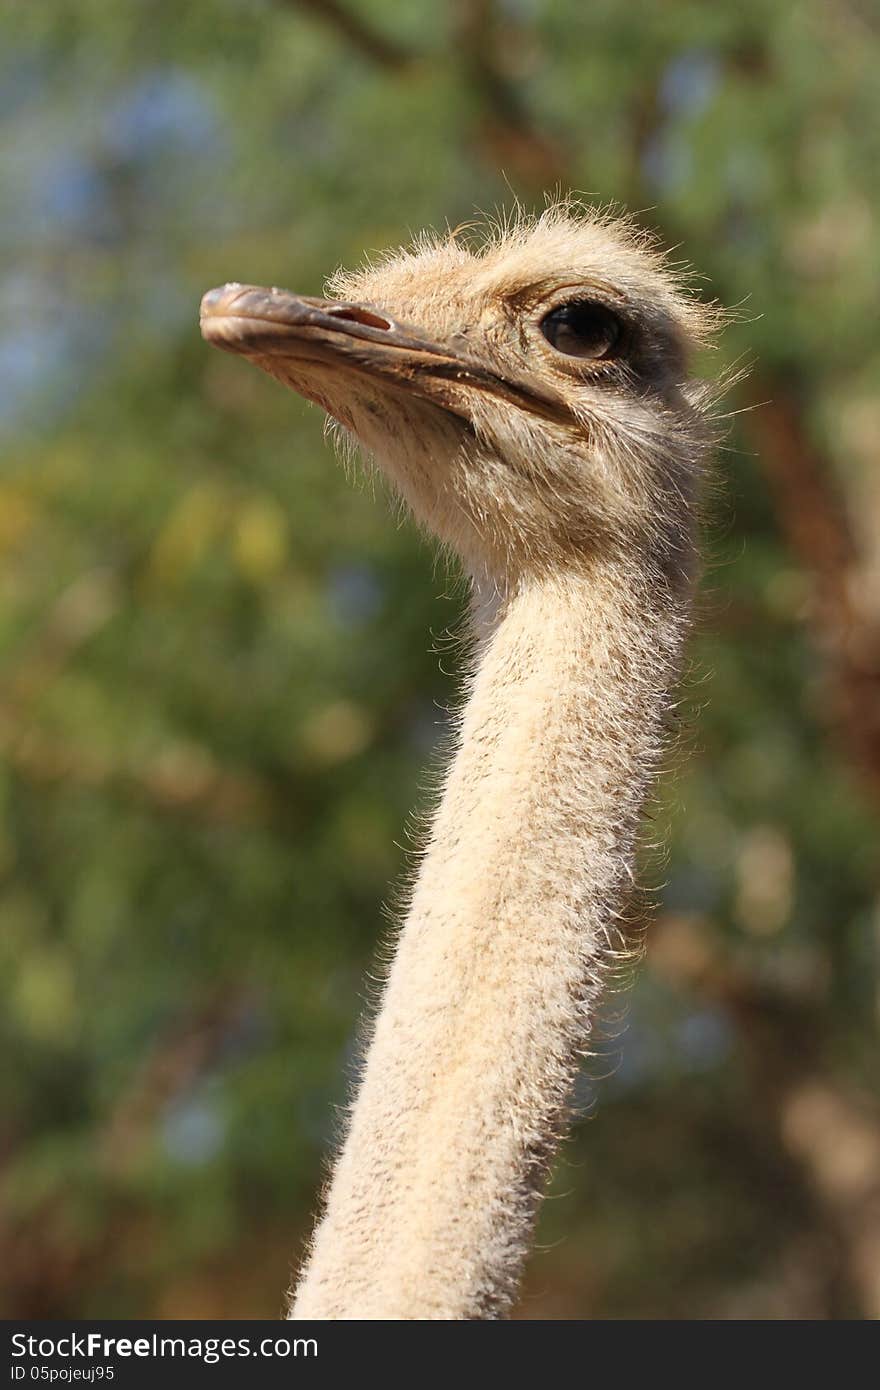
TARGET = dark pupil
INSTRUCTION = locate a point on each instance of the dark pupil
(582, 330)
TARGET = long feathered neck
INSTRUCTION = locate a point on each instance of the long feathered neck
(512, 922)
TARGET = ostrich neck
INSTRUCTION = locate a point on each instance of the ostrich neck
(501, 958)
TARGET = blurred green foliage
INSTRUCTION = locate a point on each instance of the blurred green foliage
(220, 661)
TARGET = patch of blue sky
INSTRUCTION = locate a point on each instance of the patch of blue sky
(47, 343)
(690, 81)
(164, 109)
(356, 594)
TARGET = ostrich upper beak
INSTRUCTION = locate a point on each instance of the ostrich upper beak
(272, 326)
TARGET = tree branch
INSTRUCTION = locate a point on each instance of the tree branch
(831, 1132)
(816, 528)
(370, 43)
(507, 130)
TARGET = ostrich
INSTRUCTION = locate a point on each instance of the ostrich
(527, 394)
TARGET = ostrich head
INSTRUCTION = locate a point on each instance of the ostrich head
(527, 395)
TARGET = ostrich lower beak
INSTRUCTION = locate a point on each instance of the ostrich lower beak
(272, 326)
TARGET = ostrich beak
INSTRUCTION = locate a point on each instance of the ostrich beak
(274, 327)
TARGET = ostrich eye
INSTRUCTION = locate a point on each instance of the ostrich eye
(583, 330)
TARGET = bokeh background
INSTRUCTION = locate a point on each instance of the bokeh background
(218, 682)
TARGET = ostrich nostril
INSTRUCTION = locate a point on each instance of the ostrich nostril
(213, 297)
(221, 300)
(355, 314)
